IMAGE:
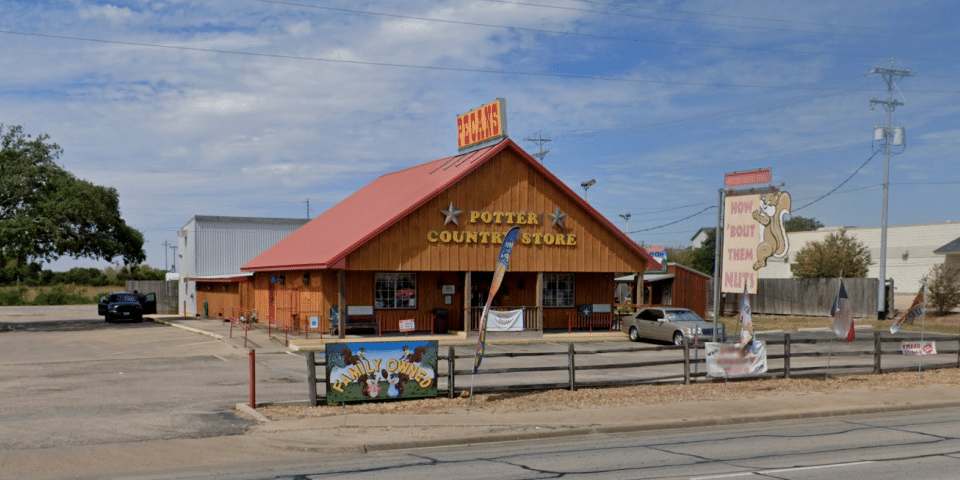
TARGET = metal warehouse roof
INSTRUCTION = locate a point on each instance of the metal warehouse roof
(326, 241)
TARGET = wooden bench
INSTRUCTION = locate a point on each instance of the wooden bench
(361, 316)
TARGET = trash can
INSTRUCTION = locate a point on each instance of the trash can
(441, 319)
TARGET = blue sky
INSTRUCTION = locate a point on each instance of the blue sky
(250, 108)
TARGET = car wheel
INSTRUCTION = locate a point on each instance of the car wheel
(107, 318)
(678, 339)
(634, 334)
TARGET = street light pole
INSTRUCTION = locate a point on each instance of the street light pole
(586, 186)
(626, 218)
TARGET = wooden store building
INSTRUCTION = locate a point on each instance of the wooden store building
(421, 244)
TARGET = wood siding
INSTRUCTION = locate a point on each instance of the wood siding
(502, 184)
(505, 183)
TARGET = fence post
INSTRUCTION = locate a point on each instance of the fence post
(686, 361)
(451, 365)
(312, 378)
(786, 355)
(877, 349)
(573, 369)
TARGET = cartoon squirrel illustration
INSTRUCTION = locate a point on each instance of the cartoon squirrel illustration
(773, 207)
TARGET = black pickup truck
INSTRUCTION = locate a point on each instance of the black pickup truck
(127, 306)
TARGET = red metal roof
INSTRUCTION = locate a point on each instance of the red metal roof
(326, 240)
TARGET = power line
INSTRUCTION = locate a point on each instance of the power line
(564, 32)
(645, 17)
(738, 17)
(821, 197)
(448, 69)
(678, 221)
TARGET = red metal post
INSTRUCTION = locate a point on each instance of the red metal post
(253, 378)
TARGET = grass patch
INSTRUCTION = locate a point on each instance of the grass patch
(55, 295)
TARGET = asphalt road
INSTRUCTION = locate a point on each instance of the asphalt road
(923, 444)
(69, 378)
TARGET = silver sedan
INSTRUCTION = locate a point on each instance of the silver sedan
(668, 325)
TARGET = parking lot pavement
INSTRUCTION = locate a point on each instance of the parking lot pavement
(68, 378)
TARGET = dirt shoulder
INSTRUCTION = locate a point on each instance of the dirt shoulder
(559, 400)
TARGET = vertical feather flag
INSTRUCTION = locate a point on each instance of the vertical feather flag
(746, 321)
(503, 264)
(916, 310)
(842, 315)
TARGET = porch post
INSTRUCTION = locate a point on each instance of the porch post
(467, 295)
(342, 303)
(540, 302)
(638, 296)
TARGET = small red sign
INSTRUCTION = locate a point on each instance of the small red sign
(750, 177)
(408, 325)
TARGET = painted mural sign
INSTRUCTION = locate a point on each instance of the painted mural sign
(358, 372)
(486, 123)
(753, 231)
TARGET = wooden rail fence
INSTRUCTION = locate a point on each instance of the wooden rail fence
(831, 362)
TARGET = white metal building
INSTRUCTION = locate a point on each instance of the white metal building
(216, 247)
(910, 251)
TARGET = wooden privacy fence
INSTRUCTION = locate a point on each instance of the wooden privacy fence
(686, 365)
(803, 297)
(167, 293)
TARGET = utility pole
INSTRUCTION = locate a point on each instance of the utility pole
(308, 209)
(539, 140)
(626, 218)
(166, 263)
(891, 76)
(172, 266)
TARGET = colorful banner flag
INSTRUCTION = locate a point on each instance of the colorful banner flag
(916, 310)
(746, 322)
(503, 264)
(842, 315)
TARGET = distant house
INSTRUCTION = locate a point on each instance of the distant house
(952, 253)
(701, 236)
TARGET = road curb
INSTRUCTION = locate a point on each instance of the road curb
(184, 327)
(559, 431)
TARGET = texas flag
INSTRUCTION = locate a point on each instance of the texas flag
(842, 316)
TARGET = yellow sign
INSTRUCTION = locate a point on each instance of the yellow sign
(485, 123)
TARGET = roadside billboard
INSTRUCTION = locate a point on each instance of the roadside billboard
(753, 231)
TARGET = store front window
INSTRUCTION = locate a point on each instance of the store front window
(396, 290)
(558, 290)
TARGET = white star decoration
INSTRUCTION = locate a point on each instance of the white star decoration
(451, 214)
(558, 218)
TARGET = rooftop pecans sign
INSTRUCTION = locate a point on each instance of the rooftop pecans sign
(479, 127)
(749, 177)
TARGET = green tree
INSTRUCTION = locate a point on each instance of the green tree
(703, 258)
(46, 212)
(837, 254)
(943, 288)
(801, 224)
